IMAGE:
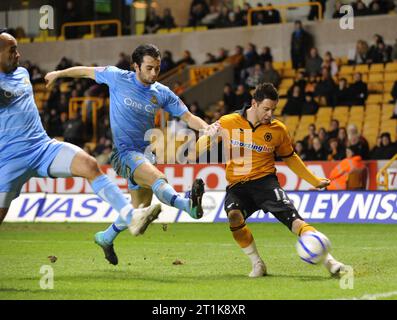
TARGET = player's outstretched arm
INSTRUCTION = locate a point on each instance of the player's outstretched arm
(295, 163)
(74, 72)
(193, 121)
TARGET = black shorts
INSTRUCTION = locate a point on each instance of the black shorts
(261, 194)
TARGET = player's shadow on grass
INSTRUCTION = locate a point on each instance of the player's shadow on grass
(300, 277)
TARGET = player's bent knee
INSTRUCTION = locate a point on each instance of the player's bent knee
(87, 166)
(235, 217)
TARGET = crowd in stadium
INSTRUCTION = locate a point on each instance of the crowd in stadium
(316, 84)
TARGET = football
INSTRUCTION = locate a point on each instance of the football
(312, 247)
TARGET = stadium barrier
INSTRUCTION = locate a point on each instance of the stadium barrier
(72, 199)
(327, 207)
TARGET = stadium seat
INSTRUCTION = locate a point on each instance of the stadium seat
(278, 65)
(24, 40)
(175, 30)
(377, 67)
(88, 36)
(375, 77)
(286, 83)
(387, 97)
(387, 111)
(375, 87)
(374, 98)
(188, 29)
(388, 86)
(345, 70)
(391, 67)
(162, 31)
(288, 64)
(307, 119)
(201, 28)
(362, 68)
(289, 73)
(390, 76)
(282, 92)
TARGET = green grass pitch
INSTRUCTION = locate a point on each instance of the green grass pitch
(213, 267)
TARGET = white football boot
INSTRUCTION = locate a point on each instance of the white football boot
(142, 217)
(258, 270)
(334, 267)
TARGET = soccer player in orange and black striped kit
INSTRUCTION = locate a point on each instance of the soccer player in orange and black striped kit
(252, 138)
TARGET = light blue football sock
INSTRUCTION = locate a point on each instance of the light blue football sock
(166, 194)
(110, 193)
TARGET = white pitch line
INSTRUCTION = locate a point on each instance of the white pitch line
(374, 296)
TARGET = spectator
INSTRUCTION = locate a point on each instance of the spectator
(333, 129)
(73, 130)
(394, 51)
(100, 146)
(243, 97)
(124, 62)
(394, 92)
(238, 17)
(168, 21)
(301, 150)
(358, 90)
(238, 60)
(340, 173)
(260, 19)
(314, 10)
(223, 20)
(266, 55)
(270, 75)
(386, 150)
(198, 10)
(380, 54)
(210, 58)
(246, 7)
(378, 7)
(330, 63)
(336, 152)
(301, 82)
(360, 54)
(323, 136)
(229, 98)
(167, 62)
(152, 22)
(343, 93)
(70, 15)
(187, 58)
(310, 106)
(308, 140)
(210, 19)
(195, 109)
(326, 89)
(357, 141)
(251, 56)
(222, 55)
(314, 62)
(317, 152)
(294, 103)
(342, 137)
(337, 14)
(300, 42)
(360, 9)
(54, 128)
(272, 15)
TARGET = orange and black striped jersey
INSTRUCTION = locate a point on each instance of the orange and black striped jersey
(251, 151)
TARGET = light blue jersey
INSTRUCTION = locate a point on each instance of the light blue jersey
(25, 148)
(21, 130)
(133, 107)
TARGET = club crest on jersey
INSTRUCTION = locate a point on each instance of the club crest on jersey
(268, 137)
(154, 100)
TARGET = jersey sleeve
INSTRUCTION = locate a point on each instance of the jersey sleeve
(173, 104)
(106, 75)
(285, 148)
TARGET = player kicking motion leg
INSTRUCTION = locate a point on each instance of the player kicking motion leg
(135, 98)
(26, 150)
(258, 187)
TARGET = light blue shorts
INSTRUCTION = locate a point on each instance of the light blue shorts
(126, 163)
(52, 159)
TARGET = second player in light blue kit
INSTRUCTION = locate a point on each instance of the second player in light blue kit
(135, 97)
(26, 150)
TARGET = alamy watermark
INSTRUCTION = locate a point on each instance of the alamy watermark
(46, 17)
(47, 280)
(347, 21)
(346, 280)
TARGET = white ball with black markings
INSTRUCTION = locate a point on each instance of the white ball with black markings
(313, 247)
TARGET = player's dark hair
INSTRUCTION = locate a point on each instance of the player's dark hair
(145, 50)
(265, 91)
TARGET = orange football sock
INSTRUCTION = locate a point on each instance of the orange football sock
(242, 234)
